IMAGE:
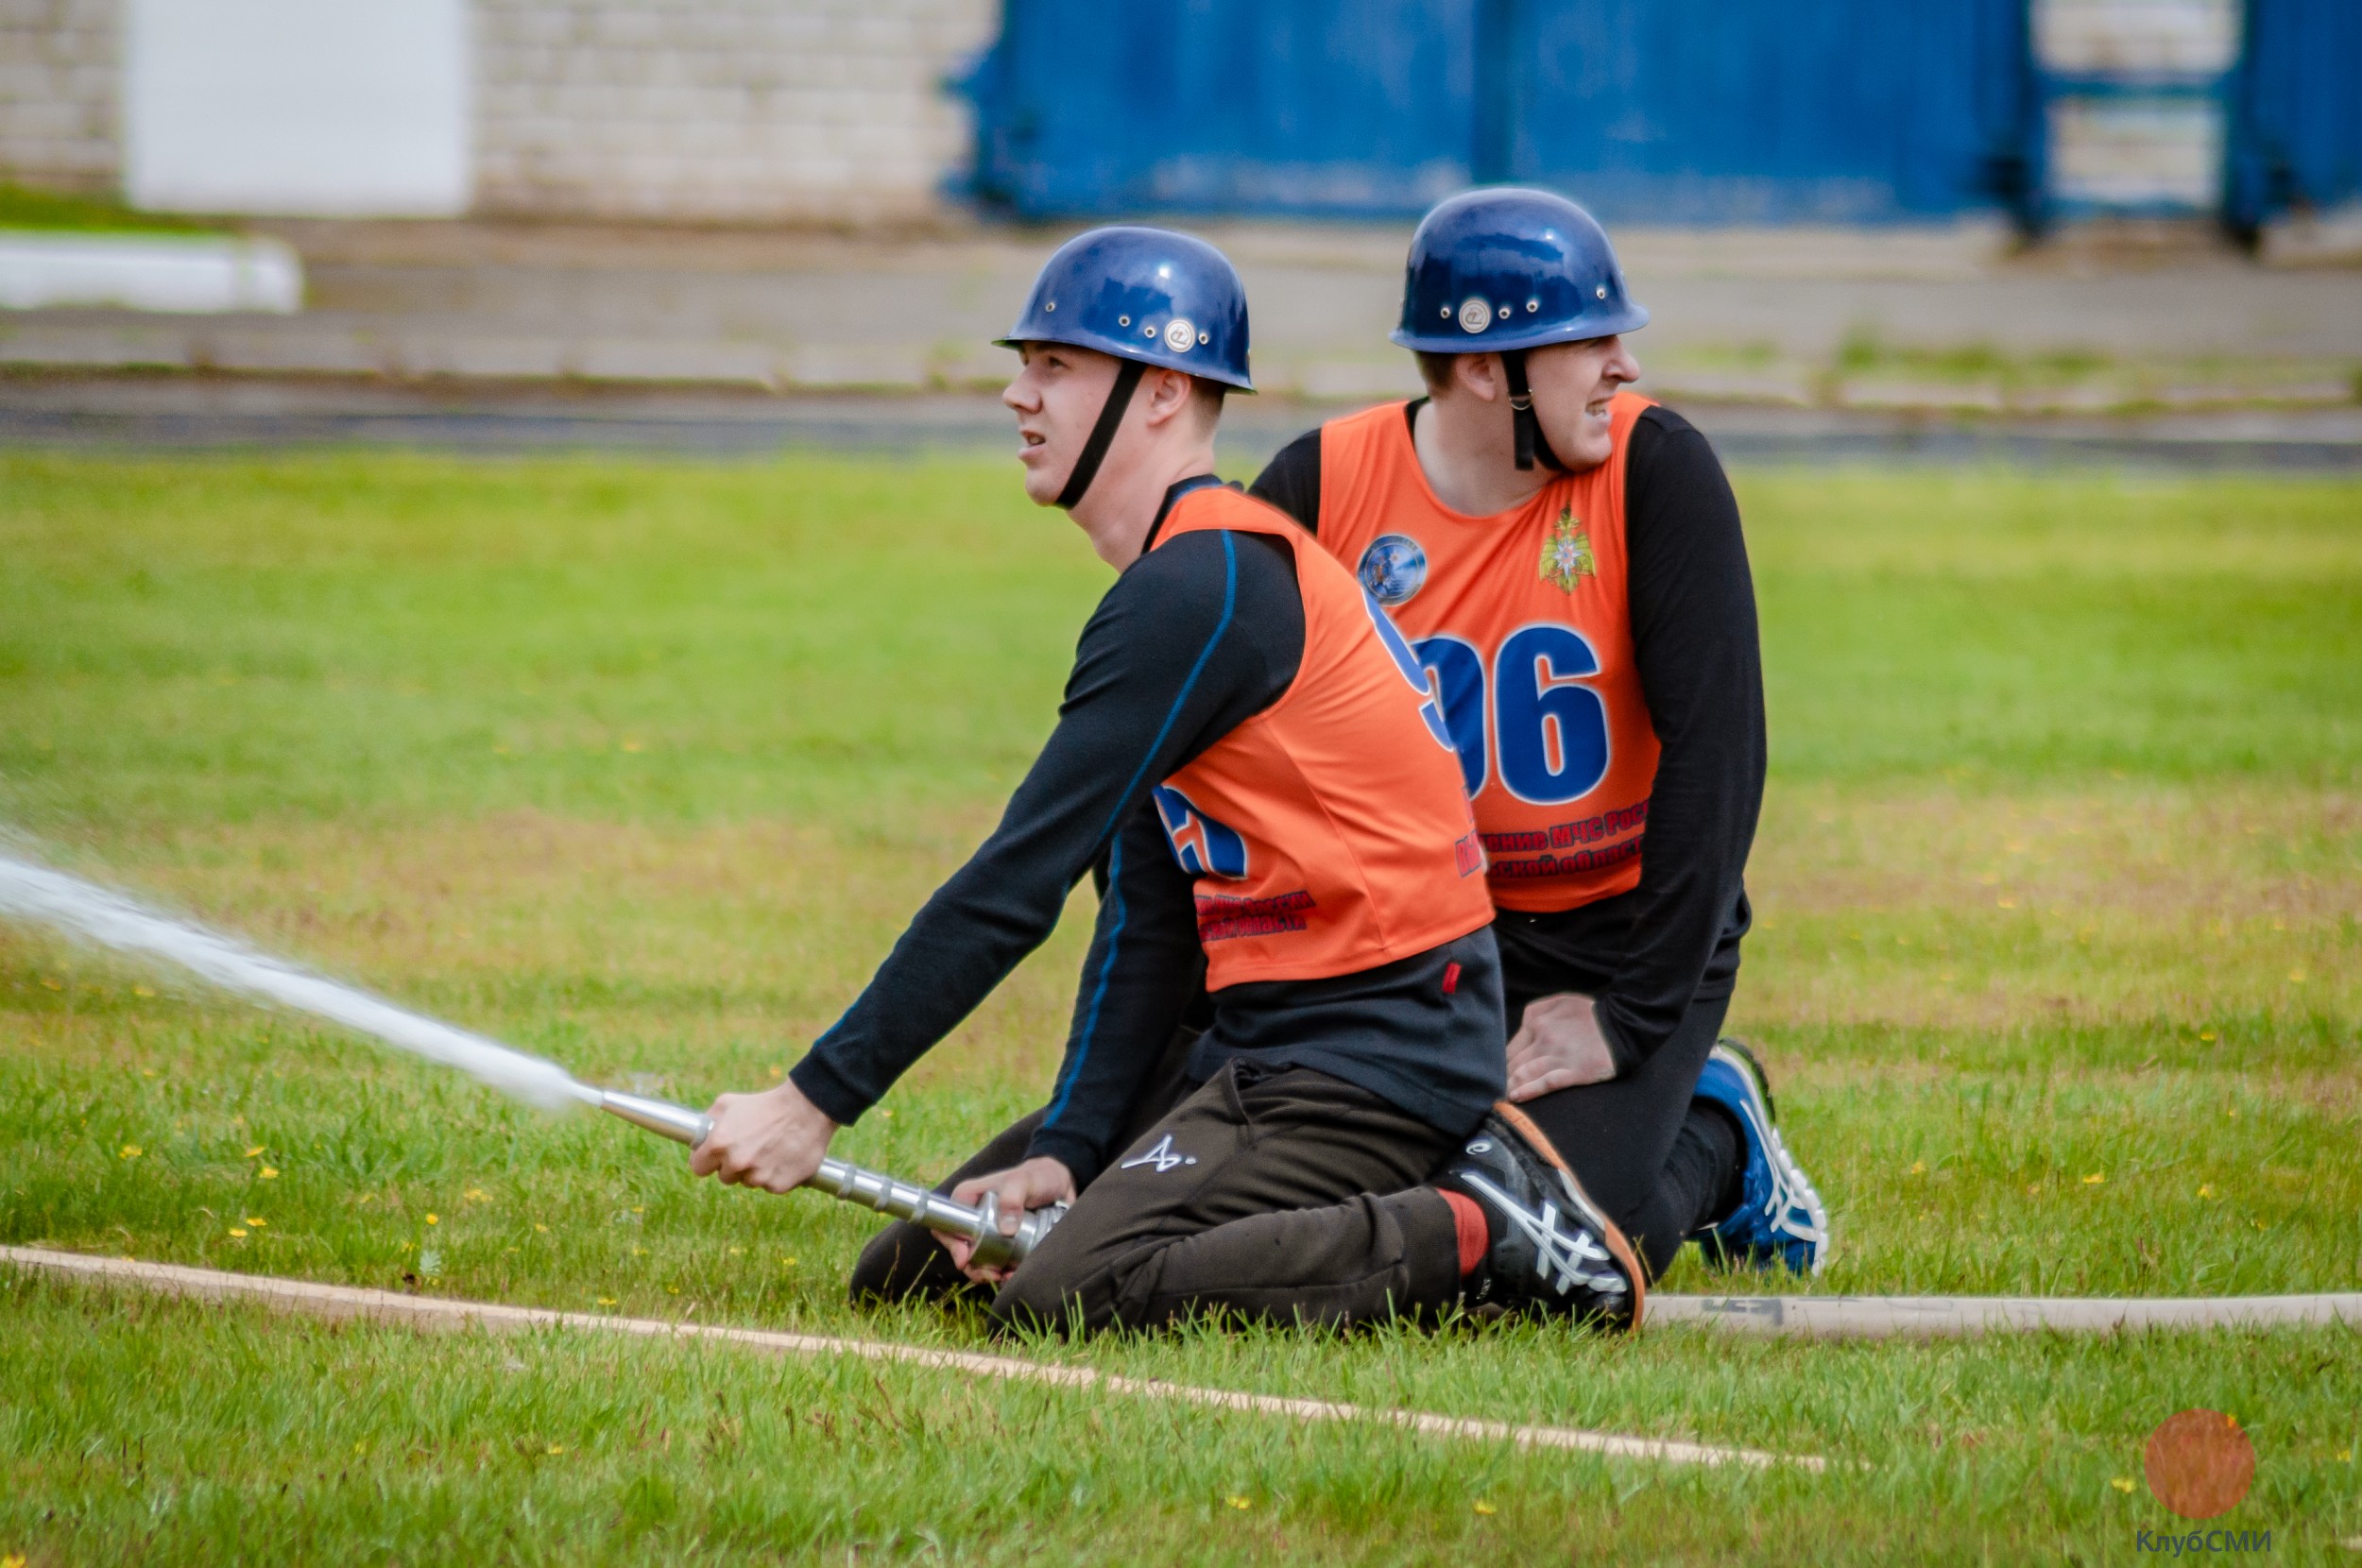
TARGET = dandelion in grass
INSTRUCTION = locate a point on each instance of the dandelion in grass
(433, 1218)
(476, 1195)
(1919, 1168)
(1238, 1502)
(257, 1222)
(14, 1559)
(142, 991)
(2206, 1189)
(2206, 1034)
(2122, 1483)
(2095, 1178)
(131, 1151)
(238, 1230)
(607, 1300)
(736, 1252)
(269, 1173)
(541, 1228)
(1483, 1506)
(254, 1153)
(556, 1449)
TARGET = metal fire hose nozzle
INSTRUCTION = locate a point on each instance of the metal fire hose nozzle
(871, 1189)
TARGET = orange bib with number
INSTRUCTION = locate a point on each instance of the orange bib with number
(1329, 833)
(1523, 625)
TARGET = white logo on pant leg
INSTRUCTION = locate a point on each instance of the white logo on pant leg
(1162, 1156)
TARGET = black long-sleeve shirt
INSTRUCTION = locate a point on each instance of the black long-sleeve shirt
(1193, 640)
(1645, 954)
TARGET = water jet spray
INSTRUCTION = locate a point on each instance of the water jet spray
(35, 892)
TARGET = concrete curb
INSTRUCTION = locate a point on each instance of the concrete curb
(433, 1313)
(175, 274)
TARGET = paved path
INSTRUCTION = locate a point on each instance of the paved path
(186, 411)
(1911, 318)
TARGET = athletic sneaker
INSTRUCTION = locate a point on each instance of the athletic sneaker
(1552, 1251)
(1780, 1217)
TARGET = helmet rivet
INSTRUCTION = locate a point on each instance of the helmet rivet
(1204, 338)
(1050, 305)
(1504, 313)
(1601, 291)
(1444, 312)
(1148, 331)
(1124, 321)
(1533, 305)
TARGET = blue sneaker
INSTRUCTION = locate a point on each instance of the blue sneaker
(1780, 1218)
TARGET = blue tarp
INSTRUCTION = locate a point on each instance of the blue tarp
(1739, 111)
(1648, 110)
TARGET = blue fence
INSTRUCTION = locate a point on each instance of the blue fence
(1710, 109)
(2296, 110)
(1649, 110)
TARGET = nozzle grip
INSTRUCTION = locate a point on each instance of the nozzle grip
(871, 1189)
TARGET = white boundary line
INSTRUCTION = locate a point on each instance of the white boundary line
(1946, 1316)
(428, 1312)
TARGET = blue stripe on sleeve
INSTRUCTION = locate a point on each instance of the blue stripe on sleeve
(1115, 862)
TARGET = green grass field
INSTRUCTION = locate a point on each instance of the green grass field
(642, 766)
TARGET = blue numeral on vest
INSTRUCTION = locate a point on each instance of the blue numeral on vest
(1413, 671)
(1457, 673)
(1202, 846)
(1534, 695)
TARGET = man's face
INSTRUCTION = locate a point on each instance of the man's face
(1056, 397)
(1572, 383)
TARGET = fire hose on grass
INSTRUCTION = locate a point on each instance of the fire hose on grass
(36, 894)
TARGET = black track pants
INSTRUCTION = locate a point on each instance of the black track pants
(1287, 1196)
(1626, 1140)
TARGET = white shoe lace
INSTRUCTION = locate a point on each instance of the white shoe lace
(1559, 1256)
(1791, 1191)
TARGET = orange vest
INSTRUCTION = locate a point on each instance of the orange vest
(1329, 833)
(1522, 621)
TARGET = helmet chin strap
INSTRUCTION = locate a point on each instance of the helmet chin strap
(1531, 443)
(1128, 373)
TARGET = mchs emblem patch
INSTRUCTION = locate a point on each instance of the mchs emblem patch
(1394, 569)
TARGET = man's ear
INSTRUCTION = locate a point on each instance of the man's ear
(1480, 376)
(1164, 394)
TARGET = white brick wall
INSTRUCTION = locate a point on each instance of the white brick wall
(825, 110)
(58, 93)
(727, 110)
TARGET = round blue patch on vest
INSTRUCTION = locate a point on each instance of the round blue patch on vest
(1394, 569)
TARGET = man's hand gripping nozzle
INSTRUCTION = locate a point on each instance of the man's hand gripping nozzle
(871, 1189)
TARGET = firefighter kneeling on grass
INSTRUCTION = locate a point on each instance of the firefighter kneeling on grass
(1565, 557)
(1249, 757)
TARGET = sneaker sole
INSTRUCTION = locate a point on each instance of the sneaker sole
(1610, 1236)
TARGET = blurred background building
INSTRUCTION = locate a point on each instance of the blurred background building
(735, 110)
(883, 112)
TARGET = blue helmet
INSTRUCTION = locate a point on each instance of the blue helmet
(1147, 295)
(1496, 270)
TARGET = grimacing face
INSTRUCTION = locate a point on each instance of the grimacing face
(1572, 383)
(1056, 396)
